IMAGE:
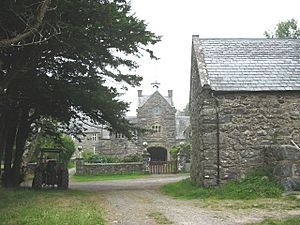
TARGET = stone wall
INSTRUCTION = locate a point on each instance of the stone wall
(113, 146)
(285, 161)
(231, 131)
(204, 154)
(106, 168)
(163, 116)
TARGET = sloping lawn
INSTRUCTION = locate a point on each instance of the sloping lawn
(252, 187)
(49, 207)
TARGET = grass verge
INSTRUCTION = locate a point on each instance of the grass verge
(85, 178)
(252, 187)
(159, 218)
(286, 221)
(49, 207)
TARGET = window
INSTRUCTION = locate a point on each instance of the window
(156, 110)
(94, 137)
(119, 136)
(156, 128)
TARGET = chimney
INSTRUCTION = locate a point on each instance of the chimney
(170, 93)
(140, 93)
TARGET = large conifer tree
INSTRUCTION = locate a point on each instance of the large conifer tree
(60, 70)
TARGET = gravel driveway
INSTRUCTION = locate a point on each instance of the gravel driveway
(130, 202)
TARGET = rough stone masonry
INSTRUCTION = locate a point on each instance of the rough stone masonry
(245, 99)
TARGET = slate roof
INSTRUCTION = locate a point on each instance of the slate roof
(248, 64)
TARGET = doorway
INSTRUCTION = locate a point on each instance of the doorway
(158, 154)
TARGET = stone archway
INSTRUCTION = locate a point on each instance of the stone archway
(158, 153)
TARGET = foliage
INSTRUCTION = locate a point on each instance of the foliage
(68, 146)
(132, 158)
(90, 157)
(33, 207)
(16, 36)
(97, 158)
(71, 164)
(87, 154)
(285, 29)
(186, 149)
(253, 186)
(292, 220)
(87, 48)
(116, 176)
(49, 136)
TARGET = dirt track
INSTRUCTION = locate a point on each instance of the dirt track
(129, 202)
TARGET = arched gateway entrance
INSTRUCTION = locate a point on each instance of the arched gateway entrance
(158, 154)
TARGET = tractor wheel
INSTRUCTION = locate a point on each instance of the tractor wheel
(37, 182)
(63, 182)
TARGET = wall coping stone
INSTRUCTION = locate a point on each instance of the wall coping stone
(113, 164)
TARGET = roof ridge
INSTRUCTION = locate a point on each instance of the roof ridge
(248, 64)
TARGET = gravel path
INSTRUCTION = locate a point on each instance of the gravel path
(129, 202)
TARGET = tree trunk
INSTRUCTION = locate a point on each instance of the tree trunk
(2, 136)
(22, 135)
(35, 148)
(10, 140)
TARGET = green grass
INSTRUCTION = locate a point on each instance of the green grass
(286, 221)
(49, 207)
(252, 187)
(159, 218)
(85, 178)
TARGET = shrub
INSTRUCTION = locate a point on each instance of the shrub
(186, 149)
(87, 155)
(132, 158)
(109, 159)
(90, 157)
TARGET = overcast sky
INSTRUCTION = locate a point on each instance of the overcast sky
(178, 20)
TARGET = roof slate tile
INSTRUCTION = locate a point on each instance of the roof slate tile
(251, 64)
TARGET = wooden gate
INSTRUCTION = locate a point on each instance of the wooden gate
(163, 167)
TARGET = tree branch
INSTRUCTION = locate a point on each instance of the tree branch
(39, 20)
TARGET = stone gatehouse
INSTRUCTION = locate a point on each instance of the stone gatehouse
(155, 112)
(244, 98)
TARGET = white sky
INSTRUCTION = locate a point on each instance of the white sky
(178, 20)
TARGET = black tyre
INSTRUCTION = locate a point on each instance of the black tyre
(63, 182)
(37, 182)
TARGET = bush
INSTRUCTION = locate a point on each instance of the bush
(111, 159)
(186, 149)
(90, 157)
(68, 147)
(87, 155)
(133, 158)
